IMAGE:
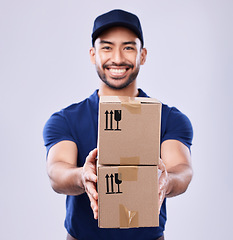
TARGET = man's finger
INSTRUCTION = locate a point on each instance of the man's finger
(92, 156)
(162, 182)
(161, 165)
(161, 198)
(90, 177)
(90, 189)
(94, 205)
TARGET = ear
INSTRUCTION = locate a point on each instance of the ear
(143, 56)
(92, 55)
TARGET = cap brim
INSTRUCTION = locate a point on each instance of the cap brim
(105, 27)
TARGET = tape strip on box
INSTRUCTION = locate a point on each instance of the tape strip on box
(128, 173)
(128, 219)
(132, 105)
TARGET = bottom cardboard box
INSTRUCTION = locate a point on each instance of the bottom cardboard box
(128, 196)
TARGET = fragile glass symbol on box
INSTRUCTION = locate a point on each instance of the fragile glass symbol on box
(109, 120)
(110, 189)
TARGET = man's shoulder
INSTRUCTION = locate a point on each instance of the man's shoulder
(91, 101)
(173, 116)
(169, 111)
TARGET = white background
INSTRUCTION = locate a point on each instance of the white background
(44, 66)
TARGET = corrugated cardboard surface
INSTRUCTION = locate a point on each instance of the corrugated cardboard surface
(128, 196)
(129, 131)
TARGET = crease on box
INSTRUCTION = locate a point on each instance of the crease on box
(128, 218)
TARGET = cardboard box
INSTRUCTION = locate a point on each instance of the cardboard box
(128, 196)
(129, 131)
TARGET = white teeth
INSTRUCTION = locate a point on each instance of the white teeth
(114, 70)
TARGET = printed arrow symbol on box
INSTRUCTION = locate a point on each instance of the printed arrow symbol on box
(106, 113)
(111, 176)
(107, 186)
(111, 113)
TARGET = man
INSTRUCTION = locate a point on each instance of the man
(71, 134)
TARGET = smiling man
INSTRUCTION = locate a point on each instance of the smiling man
(70, 135)
(118, 54)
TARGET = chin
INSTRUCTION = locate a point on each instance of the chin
(119, 86)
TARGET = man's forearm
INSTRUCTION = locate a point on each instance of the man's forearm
(179, 178)
(66, 178)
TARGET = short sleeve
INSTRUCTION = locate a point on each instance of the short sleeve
(178, 127)
(55, 130)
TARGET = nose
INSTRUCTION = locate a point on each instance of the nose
(117, 56)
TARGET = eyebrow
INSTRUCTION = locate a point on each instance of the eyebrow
(130, 42)
(105, 42)
(124, 43)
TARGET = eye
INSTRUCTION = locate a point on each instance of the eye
(129, 48)
(106, 48)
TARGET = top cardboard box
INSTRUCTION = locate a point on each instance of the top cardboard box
(129, 131)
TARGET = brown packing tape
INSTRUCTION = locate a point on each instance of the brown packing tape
(128, 173)
(131, 104)
(129, 160)
(128, 219)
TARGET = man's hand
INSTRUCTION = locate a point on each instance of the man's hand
(89, 180)
(176, 169)
(163, 182)
(67, 178)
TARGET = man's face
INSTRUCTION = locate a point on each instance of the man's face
(118, 55)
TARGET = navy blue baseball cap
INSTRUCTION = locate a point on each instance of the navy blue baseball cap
(116, 18)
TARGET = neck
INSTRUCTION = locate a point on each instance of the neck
(130, 90)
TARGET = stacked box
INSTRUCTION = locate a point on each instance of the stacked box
(128, 155)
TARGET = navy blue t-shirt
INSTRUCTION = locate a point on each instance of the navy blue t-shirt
(79, 123)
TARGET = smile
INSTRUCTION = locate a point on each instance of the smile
(117, 70)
